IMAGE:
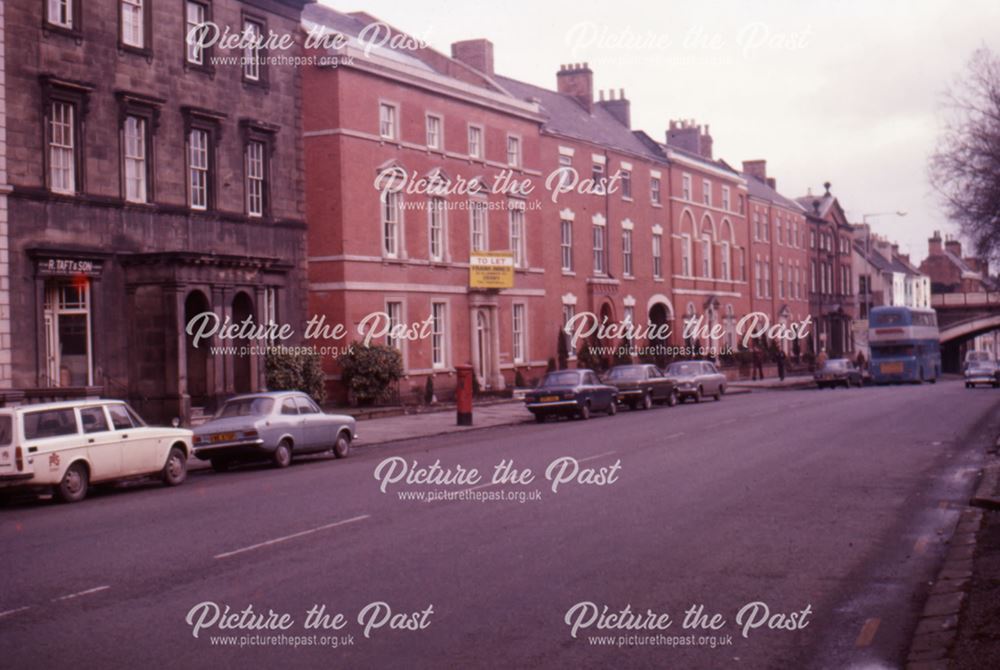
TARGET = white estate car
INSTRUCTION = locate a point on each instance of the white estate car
(66, 446)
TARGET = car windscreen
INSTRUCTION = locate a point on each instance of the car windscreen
(683, 369)
(978, 357)
(6, 430)
(627, 373)
(246, 407)
(561, 379)
(836, 365)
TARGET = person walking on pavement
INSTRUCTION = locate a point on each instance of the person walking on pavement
(821, 359)
(758, 363)
(780, 360)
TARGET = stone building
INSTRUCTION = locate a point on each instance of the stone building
(152, 180)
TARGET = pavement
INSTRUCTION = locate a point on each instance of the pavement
(831, 509)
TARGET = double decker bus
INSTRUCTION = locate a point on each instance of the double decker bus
(905, 345)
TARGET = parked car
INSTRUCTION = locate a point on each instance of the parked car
(576, 393)
(838, 372)
(641, 386)
(972, 357)
(696, 380)
(67, 446)
(981, 371)
(271, 426)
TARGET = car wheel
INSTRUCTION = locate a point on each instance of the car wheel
(584, 412)
(672, 399)
(282, 456)
(175, 470)
(220, 464)
(342, 446)
(717, 396)
(613, 408)
(539, 418)
(647, 401)
(73, 487)
(698, 394)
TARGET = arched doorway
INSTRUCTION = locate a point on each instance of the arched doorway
(242, 370)
(197, 357)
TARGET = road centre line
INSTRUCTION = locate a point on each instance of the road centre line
(96, 589)
(14, 611)
(285, 538)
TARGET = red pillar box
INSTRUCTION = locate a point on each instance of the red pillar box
(463, 394)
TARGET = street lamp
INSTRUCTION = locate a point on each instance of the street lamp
(868, 253)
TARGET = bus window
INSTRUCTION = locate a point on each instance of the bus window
(890, 350)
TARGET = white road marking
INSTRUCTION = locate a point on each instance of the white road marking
(672, 436)
(96, 589)
(293, 536)
(15, 611)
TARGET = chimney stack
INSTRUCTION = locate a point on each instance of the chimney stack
(756, 169)
(772, 183)
(689, 136)
(577, 80)
(953, 246)
(619, 107)
(934, 244)
(477, 54)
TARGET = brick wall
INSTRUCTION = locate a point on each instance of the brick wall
(5, 343)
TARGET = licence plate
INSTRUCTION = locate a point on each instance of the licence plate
(548, 398)
(223, 437)
(891, 368)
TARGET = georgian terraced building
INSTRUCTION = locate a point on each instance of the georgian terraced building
(149, 183)
(666, 239)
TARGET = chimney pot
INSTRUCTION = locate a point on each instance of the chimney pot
(477, 54)
(577, 83)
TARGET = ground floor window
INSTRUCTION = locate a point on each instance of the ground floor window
(68, 350)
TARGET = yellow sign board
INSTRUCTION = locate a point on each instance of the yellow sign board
(491, 269)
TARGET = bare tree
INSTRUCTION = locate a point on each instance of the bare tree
(965, 167)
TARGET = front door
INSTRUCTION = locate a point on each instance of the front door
(483, 366)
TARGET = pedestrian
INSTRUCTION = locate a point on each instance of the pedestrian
(860, 360)
(780, 360)
(758, 362)
(821, 359)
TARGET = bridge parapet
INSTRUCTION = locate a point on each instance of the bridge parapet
(960, 300)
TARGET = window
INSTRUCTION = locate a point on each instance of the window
(133, 33)
(195, 14)
(812, 239)
(255, 178)
(756, 224)
(134, 149)
(686, 187)
(566, 244)
(394, 310)
(518, 326)
(434, 140)
(767, 278)
(565, 169)
(475, 142)
(62, 147)
(781, 278)
(685, 256)
(436, 234)
(60, 13)
(725, 197)
(706, 192)
(387, 121)
(438, 330)
(49, 423)
(725, 261)
(626, 181)
(657, 256)
(253, 30)
(479, 225)
(597, 174)
(517, 243)
(392, 212)
(706, 257)
(93, 420)
(513, 151)
(654, 190)
(599, 265)
(743, 265)
(198, 168)
(67, 333)
(766, 227)
(730, 319)
(627, 253)
(780, 231)
(758, 278)
(812, 275)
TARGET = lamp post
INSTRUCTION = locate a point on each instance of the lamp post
(868, 253)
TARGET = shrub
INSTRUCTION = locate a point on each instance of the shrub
(298, 371)
(371, 371)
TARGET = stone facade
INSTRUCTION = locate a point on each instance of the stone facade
(108, 266)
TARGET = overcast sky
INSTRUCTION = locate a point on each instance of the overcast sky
(838, 90)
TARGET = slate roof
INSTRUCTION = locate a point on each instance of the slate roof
(759, 189)
(825, 203)
(321, 15)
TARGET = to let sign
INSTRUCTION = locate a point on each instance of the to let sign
(491, 269)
